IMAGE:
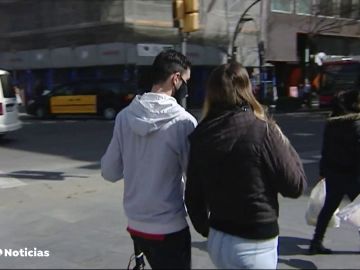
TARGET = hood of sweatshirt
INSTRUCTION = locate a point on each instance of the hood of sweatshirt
(150, 111)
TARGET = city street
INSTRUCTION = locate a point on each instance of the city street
(53, 198)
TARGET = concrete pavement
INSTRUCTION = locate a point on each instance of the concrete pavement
(53, 198)
(80, 221)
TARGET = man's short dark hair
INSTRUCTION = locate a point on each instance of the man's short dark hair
(167, 63)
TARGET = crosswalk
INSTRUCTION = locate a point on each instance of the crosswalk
(9, 182)
(310, 157)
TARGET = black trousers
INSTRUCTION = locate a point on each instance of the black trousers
(335, 192)
(173, 252)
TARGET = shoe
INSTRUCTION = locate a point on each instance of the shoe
(318, 248)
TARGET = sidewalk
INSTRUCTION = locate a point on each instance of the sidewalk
(82, 224)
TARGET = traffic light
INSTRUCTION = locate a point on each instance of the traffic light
(191, 19)
(178, 13)
(186, 15)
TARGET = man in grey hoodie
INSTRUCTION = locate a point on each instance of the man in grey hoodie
(149, 150)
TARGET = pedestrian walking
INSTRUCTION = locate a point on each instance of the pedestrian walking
(239, 162)
(149, 150)
(307, 93)
(340, 161)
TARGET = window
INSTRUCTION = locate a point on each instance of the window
(282, 6)
(303, 6)
(86, 88)
(86, 73)
(115, 87)
(64, 90)
(346, 8)
(326, 7)
(340, 76)
(355, 10)
(6, 86)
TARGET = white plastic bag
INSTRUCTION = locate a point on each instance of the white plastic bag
(316, 202)
(351, 213)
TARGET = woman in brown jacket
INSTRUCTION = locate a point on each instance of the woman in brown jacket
(239, 162)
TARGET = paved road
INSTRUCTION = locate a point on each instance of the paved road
(53, 198)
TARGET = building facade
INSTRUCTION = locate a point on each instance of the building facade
(299, 29)
(44, 43)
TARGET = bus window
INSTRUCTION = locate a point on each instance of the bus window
(338, 76)
(6, 86)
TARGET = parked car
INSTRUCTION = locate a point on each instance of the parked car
(105, 98)
(9, 117)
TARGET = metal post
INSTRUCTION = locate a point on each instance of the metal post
(261, 50)
(306, 75)
(184, 37)
(307, 61)
(238, 27)
(264, 9)
(183, 43)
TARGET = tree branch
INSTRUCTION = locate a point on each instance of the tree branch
(210, 6)
(329, 25)
(319, 24)
(240, 21)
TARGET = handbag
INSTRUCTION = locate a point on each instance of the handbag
(351, 213)
(316, 203)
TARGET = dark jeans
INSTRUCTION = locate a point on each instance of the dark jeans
(335, 192)
(174, 252)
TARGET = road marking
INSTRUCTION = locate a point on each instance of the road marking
(308, 161)
(71, 121)
(298, 114)
(10, 182)
(61, 121)
(310, 157)
(303, 134)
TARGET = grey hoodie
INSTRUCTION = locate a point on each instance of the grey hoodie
(149, 149)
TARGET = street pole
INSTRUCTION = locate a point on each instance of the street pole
(186, 19)
(262, 47)
(238, 27)
(307, 61)
(184, 38)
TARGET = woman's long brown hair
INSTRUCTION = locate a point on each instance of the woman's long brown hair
(229, 85)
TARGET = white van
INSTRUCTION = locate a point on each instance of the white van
(9, 118)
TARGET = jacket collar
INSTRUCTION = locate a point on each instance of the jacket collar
(221, 110)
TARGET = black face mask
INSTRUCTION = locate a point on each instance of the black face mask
(181, 92)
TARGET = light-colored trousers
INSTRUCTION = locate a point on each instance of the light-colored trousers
(231, 252)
